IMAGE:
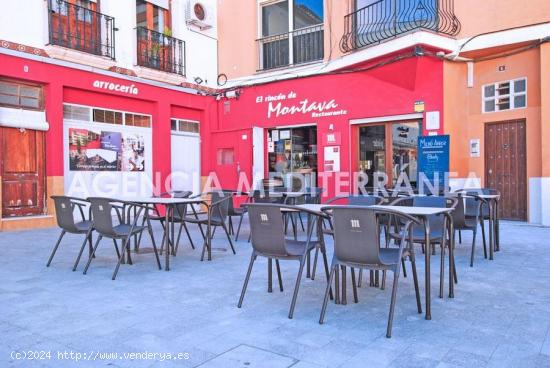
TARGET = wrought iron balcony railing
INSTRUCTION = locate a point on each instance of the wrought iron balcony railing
(297, 47)
(159, 51)
(385, 19)
(81, 29)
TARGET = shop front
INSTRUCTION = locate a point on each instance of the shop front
(389, 148)
(292, 156)
(84, 133)
(327, 130)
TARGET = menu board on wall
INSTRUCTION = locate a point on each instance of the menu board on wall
(433, 158)
(332, 159)
(97, 150)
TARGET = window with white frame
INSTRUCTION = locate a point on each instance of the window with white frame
(184, 126)
(506, 95)
(291, 32)
(96, 115)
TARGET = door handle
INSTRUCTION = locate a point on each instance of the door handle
(490, 171)
(238, 168)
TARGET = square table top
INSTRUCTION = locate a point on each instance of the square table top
(158, 200)
(414, 210)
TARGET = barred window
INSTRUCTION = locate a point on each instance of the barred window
(506, 95)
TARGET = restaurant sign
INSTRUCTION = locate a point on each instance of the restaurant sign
(289, 104)
(130, 89)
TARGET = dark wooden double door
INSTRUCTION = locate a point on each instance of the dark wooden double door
(506, 166)
(22, 163)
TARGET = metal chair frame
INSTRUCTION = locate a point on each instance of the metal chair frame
(104, 226)
(346, 256)
(65, 207)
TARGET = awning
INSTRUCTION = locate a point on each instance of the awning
(23, 119)
(161, 3)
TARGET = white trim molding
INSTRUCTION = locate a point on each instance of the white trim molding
(23, 119)
(382, 119)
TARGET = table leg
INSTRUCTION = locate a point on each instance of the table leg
(451, 258)
(491, 230)
(166, 237)
(344, 291)
(427, 254)
(442, 261)
(269, 275)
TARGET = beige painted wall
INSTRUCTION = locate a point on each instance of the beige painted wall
(238, 26)
(464, 119)
(238, 31)
(479, 16)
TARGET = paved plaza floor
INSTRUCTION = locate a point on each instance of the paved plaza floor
(500, 316)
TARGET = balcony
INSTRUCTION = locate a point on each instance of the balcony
(297, 47)
(81, 29)
(159, 51)
(387, 19)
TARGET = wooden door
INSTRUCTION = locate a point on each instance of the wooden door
(505, 166)
(22, 161)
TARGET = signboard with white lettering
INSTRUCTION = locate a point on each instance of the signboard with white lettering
(284, 104)
(433, 159)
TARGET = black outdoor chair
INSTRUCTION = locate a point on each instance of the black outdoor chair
(438, 232)
(265, 196)
(216, 216)
(461, 222)
(102, 211)
(64, 211)
(357, 245)
(233, 211)
(268, 240)
(483, 213)
(352, 200)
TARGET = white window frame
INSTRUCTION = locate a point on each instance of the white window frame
(124, 112)
(290, 30)
(180, 132)
(511, 96)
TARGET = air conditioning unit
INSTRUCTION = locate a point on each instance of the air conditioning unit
(198, 15)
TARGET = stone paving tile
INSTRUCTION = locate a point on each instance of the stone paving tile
(500, 316)
(247, 356)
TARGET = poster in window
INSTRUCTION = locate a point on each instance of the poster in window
(96, 150)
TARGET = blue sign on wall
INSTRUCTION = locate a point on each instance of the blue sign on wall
(433, 161)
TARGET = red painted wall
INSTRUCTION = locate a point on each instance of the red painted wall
(388, 90)
(65, 84)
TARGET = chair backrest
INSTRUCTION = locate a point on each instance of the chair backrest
(181, 209)
(102, 214)
(267, 229)
(230, 204)
(263, 196)
(459, 214)
(64, 212)
(356, 235)
(437, 221)
(220, 210)
(472, 208)
(364, 200)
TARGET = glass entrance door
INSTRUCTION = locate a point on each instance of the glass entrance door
(391, 149)
(292, 156)
(372, 151)
(404, 151)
